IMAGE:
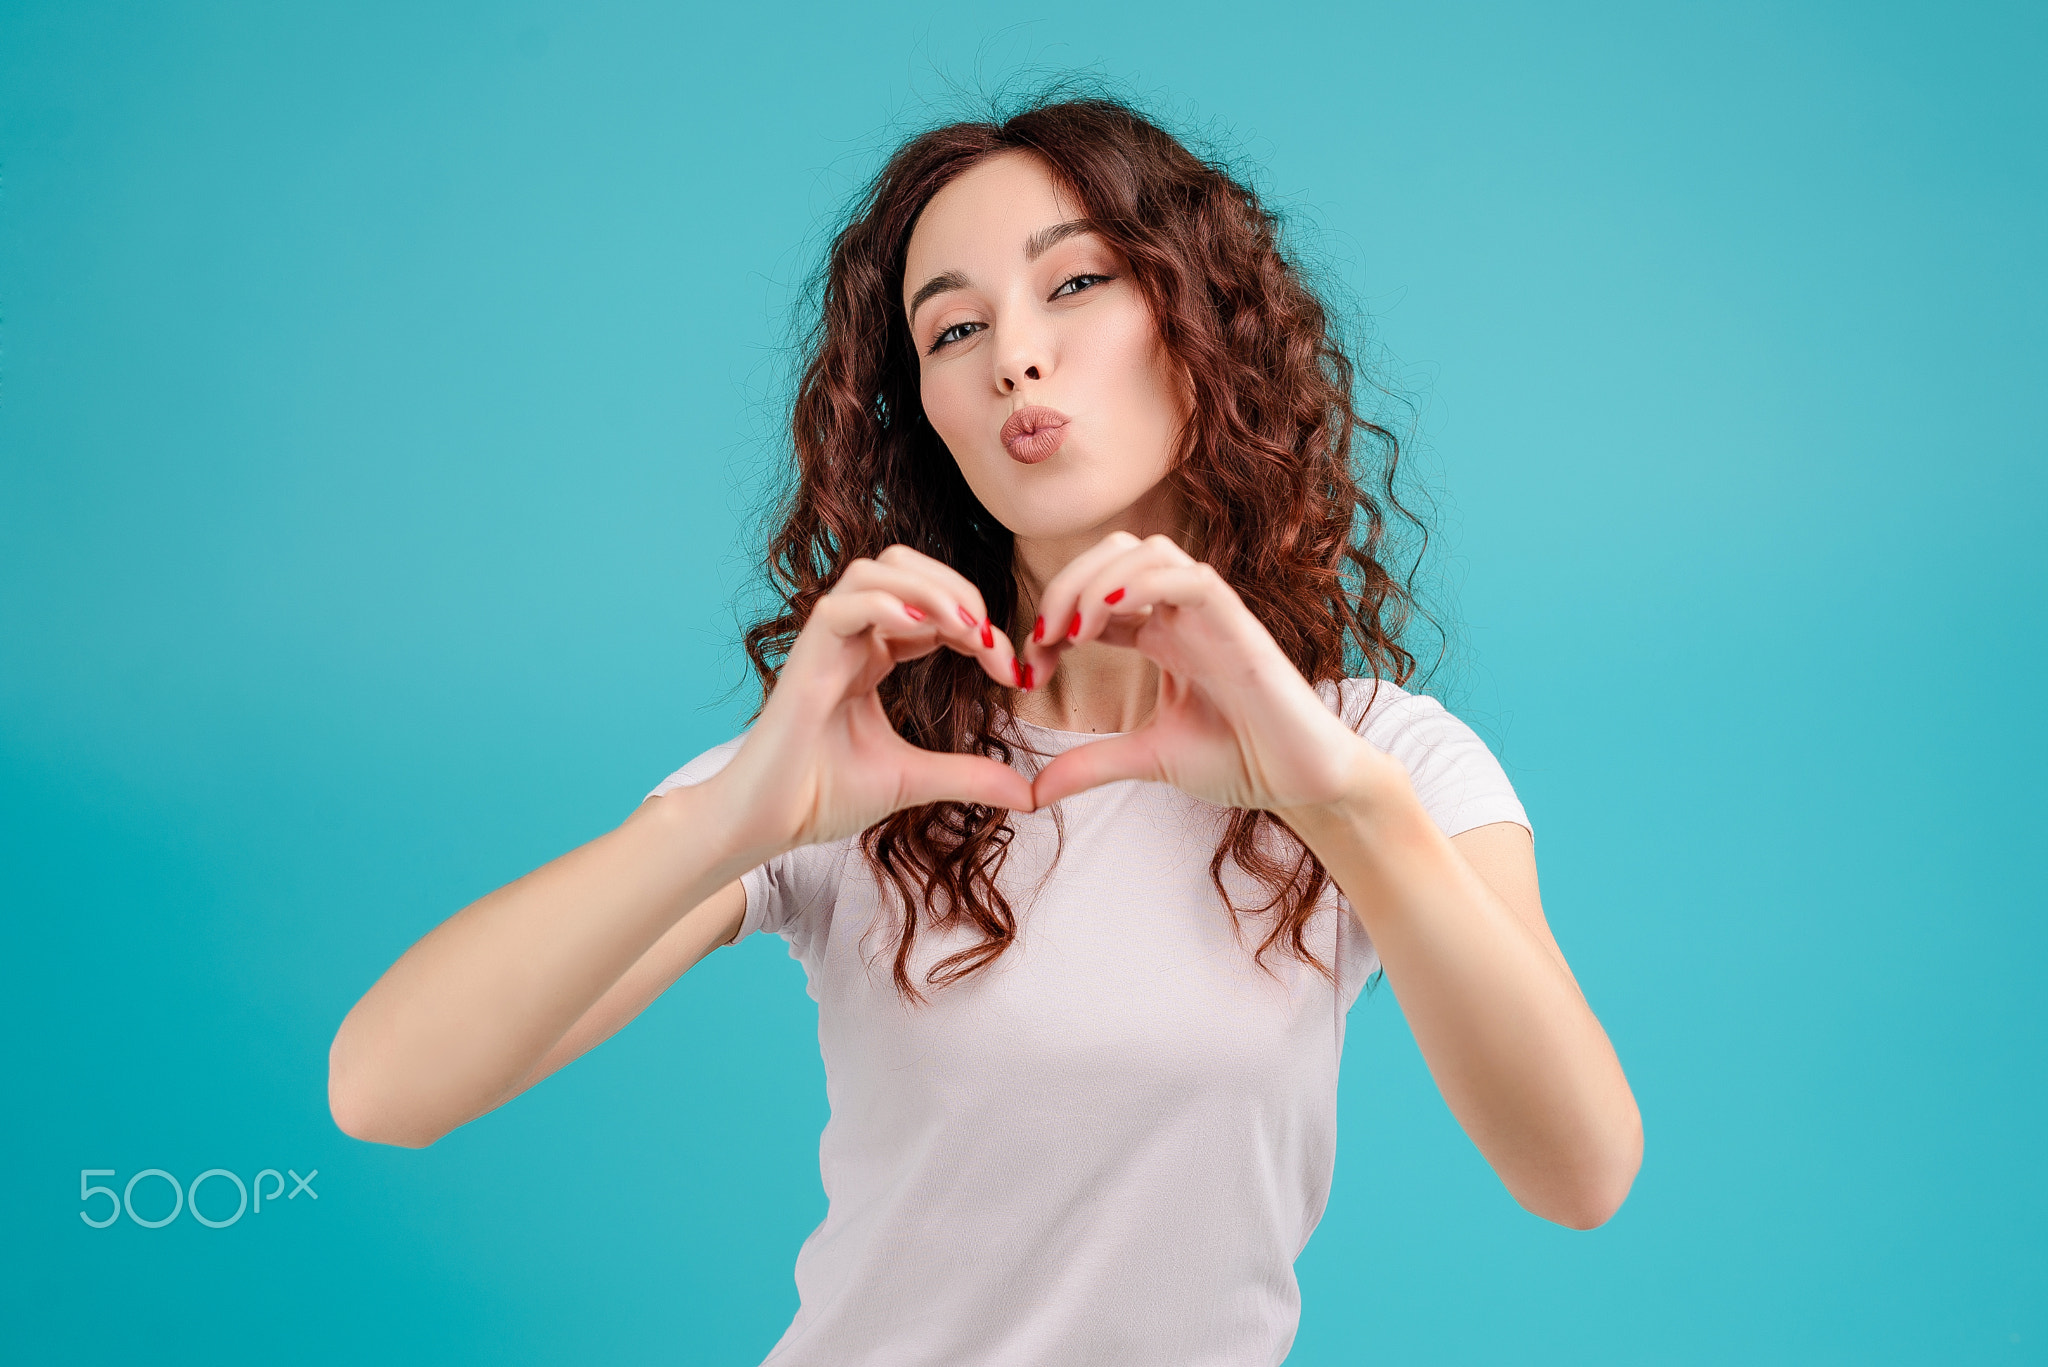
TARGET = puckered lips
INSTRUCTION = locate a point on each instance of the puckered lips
(1034, 433)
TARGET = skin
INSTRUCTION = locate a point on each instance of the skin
(1186, 685)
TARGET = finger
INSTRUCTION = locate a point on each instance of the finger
(1206, 624)
(929, 776)
(935, 598)
(998, 654)
(962, 589)
(1111, 589)
(1193, 585)
(1098, 762)
(849, 612)
(1056, 605)
(852, 639)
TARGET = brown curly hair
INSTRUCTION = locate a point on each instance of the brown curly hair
(1269, 469)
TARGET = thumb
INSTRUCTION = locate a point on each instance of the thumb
(929, 776)
(1098, 762)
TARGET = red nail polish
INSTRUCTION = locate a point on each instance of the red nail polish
(1017, 672)
(1074, 629)
(1038, 630)
(965, 616)
(1116, 597)
(988, 635)
(916, 612)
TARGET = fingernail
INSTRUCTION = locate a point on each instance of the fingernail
(1038, 630)
(1116, 597)
(1017, 672)
(916, 612)
(1075, 628)
(1028, 676)
(966, 616)
(988, 634)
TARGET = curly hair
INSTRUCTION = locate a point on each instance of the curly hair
(1272, 468)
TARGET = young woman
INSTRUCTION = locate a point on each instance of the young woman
(1062, 795)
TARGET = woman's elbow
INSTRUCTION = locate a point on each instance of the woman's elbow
(360, 1114)
(1592, 1208)
(1596, 1184)
(359, 1121)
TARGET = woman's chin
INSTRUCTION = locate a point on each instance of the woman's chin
(1064, 499)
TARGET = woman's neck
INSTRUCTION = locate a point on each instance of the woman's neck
(1097, 688)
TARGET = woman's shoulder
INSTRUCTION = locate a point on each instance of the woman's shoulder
(791, 893)
(1370, 704)
(1456, 774)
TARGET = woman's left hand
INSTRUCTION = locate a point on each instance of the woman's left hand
(1508, 1036)
(1235, 723)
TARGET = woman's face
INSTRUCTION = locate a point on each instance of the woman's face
(1039, 362)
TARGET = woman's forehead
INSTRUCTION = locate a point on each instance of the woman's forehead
(993, 206)
(1007, 209)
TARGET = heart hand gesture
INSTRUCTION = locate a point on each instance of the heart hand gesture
(1235, 723)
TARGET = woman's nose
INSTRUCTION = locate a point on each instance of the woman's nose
(1025, 354)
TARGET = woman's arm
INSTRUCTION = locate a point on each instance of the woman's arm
(689, 941)
(460, 1024)
(1512, 1044)
(1514, 1048)
(505, 989)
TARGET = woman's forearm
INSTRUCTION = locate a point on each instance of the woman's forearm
(461, 1020)
(1511, 1042)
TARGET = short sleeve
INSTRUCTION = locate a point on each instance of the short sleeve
(700, 768)
(783, 895)
(1460, 783)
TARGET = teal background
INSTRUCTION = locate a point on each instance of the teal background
(384, 392)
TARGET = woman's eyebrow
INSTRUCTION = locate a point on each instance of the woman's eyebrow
(938, 284)
(1045, 239)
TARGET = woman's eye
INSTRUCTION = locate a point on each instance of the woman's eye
(1083, 281)
(955, 333)
(960, 332)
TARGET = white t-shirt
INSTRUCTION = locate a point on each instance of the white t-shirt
(1109, 1146)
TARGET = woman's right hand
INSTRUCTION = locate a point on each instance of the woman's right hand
(823, 762)
(465, 1017)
